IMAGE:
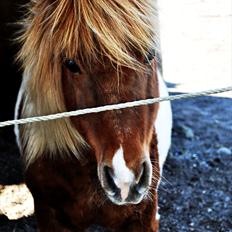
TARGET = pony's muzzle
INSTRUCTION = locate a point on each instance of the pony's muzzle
(123, 189)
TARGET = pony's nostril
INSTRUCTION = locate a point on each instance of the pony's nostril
(143, 174)
(109, 178)
(108, 173)
(140, 173)
(143, 180)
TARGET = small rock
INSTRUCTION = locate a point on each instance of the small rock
(194, 165)
(224, 151)
(204, 166)
(192, 224)
(188, 132)
(194, 156)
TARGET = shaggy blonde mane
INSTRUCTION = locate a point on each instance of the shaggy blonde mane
(89, 30)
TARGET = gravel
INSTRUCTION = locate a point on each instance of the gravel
(197, 175)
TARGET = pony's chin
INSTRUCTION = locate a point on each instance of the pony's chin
(118, 201)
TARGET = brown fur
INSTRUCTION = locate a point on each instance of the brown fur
(73, 199)
(110, 129)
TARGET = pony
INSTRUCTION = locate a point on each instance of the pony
(97, 169)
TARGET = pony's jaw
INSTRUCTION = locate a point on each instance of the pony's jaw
(120, 183)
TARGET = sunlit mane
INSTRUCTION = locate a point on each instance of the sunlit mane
(89, 30)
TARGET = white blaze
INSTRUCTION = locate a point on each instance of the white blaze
(123, 176)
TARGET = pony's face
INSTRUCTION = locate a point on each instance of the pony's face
(120, 139)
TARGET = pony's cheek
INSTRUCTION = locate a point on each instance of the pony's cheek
(98, 155)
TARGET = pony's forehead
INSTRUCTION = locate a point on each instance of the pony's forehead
(96, 30)
(102, 30)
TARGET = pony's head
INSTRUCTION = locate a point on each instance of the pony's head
(85, 53)
(120, 139)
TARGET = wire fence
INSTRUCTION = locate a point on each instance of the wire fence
(112, 107)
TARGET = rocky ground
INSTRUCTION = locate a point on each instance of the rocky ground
(196, 191)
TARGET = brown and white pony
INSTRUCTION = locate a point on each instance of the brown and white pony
(100, 168)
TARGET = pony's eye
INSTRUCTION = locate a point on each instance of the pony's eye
(72, 66)
(150, 56)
